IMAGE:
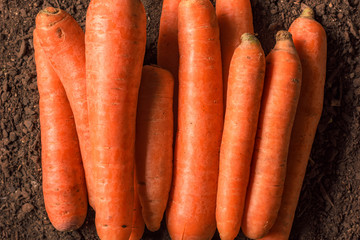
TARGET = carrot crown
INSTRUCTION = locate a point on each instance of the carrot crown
(307, 13)
(50, 10)
(49, 16)
(248, 37)
(283, 35)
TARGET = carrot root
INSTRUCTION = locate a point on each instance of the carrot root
(63, 177)
(246, 80)
(277, 113)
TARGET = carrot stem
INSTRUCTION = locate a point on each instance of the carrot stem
(307, 13)
(283, 35)
(50, 11)
(248, 37)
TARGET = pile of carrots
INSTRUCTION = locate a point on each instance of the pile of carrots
(216, 136)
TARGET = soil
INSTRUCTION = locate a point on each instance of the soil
(329, 205)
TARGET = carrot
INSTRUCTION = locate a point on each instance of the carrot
(62, 39)
(115, 48)
(62, 172)
(154, 143)
(246, 80)
(310, 42)
(168, 49)
(138, 224)
(235, 18)
(277, 113)
(191, 207)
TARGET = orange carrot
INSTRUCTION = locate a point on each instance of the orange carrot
(115, 48)
(138, 224)
(168, 48)
(191, 208)
(154, 143)
(63, 174)
(235, 18)
(277, 113)
(310, 42)
(62, 39)
(246, 80)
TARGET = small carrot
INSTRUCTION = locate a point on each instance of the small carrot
(154, 143)
(191, 207)
(235, 18)
(246, 80)
(62, 39)
(277, 113)
(138, 225)
(310, 42)
(62, 171)
(115, 48)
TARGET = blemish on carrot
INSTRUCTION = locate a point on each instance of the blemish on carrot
(59, 33)
(295, 80)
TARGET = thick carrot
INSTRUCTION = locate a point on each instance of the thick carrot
(138, 225)
(115, 48)
(191, 208)
(277, 113)
(154, 143)
(62, 171)
(246, 80)
(235, 18)
(310, 42)
(62, 39)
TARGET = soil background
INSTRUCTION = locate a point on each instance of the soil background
(329, 205)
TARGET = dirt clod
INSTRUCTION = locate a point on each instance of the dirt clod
(26, 208)
(320, 9)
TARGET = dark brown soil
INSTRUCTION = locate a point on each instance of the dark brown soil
(329, 205)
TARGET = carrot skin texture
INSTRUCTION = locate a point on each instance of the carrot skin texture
(138, 224)
(235, 18)
(191, 207)
(277, 113)
(115, 48)
(63, 178)
(311, 44)
(154, 143)
(62, 39)
(246, 80)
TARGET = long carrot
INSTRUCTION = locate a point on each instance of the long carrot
(277, 113)
(138, 225)
(63, 175)
(154, 143)
(310, 42)
(191, 208)
(115, 48)
(62, 39)
(168, 48)
(235, 18)
(246, 80)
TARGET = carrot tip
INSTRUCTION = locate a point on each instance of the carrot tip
(50, 11)
(307, 13)
(283, 35)
(248, 37)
